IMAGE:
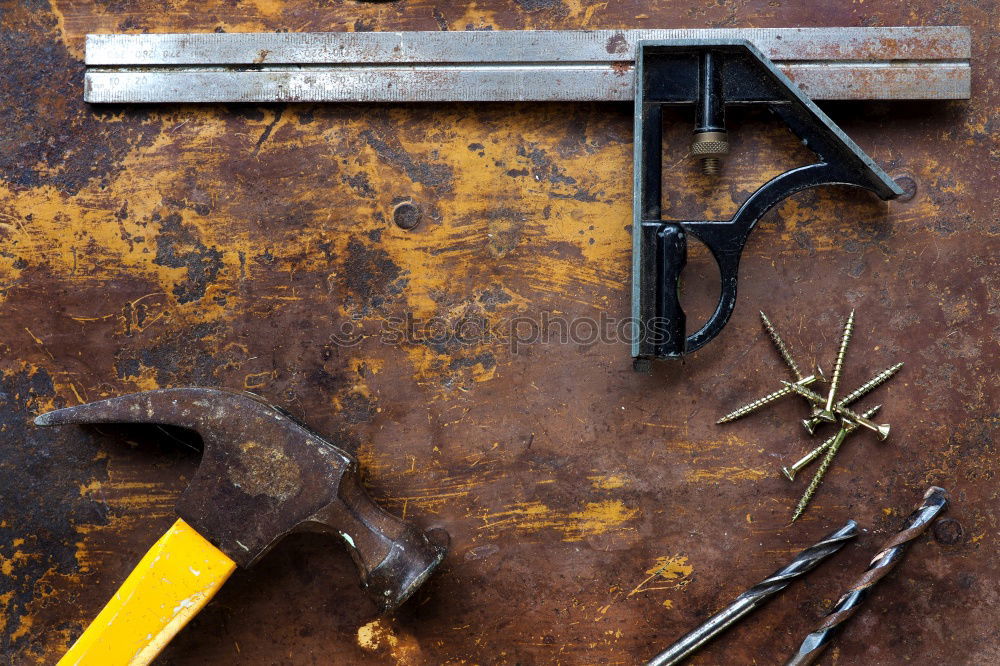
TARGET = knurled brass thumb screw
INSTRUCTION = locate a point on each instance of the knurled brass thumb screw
(710, 148)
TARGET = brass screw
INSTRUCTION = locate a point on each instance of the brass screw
(710, 147)
(826, 414)
(855, 395)
(766, 400)
(782, 347)
(838, 439)
(881, 429)
(790, 472)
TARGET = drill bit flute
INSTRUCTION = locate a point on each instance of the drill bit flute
(756, 596)
(884, 562)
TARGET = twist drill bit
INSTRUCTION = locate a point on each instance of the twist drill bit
(884, 561)
(766, 400)
(831, 452)
(756, 596)
(790, 472)
(826, 413)
(855, 395)
(882, 430)
(781, 346)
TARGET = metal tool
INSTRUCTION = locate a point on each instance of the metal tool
(262, 476)
(934, 502)
(795, 467)
(855, 395)
(756, 596)
(831, 452)
(881, 429)
(704, 70)
(825, 413)
(774, 396)
(710, 75)
(929, 62)
(779, 344)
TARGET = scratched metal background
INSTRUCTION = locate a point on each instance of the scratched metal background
(595, 514)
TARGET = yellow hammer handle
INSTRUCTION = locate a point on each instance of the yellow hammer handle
(175, 579)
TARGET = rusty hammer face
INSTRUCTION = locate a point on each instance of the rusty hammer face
(264, 475)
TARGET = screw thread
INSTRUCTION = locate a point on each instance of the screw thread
(806, 393)
(752, 407)
(869, 386)
(710, 165)
(858, 393)
(883, 430)
(831, 452)
(857, 418)
(780, 344)
(851, 426)
(838, 366)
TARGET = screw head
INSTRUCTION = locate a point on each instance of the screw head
(406, 215)
(709, 147)
(908, 184)
(826, 415)
(788, 473)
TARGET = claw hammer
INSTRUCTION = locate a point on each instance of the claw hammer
(262, 475)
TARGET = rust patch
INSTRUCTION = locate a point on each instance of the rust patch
(385, 142)
(89, 145)
(622, 68)
(178, 246)
(41, 491)
(372, 277)
(616, 44)
(265, 470)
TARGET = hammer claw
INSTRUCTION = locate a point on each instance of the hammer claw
(264, 475)
(178, 406)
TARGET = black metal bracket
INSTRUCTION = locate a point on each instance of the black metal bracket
(710, 75)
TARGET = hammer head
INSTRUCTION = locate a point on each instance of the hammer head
(264, 475)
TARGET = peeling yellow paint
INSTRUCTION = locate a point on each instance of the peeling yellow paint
(725, 474)
(718, 447)
(402, 647)
(608, 482)
(668, 568)
(595, 518)
(372, 634)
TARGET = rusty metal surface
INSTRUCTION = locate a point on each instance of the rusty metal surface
(596, 514)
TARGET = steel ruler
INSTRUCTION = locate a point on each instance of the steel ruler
(506, 66)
